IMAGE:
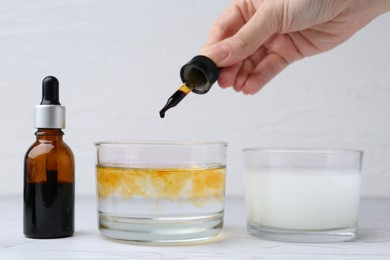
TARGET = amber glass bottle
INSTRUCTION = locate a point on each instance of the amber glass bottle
(49, 172)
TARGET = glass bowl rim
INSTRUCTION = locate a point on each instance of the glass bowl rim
(301, 150)
(160, 143)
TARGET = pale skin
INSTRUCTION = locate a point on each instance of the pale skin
(254, 40)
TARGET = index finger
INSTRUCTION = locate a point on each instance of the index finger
(231, 20)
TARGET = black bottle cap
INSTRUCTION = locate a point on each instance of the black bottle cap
(50, 91)
(200, 73)
(50, 113)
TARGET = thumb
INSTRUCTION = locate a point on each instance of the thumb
(262, 25)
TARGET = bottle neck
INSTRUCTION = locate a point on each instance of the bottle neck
(52, 134)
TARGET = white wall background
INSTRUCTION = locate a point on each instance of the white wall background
(118, 62)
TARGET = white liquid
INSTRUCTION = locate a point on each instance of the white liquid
(302, 200)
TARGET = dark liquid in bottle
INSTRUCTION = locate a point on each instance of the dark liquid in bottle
(49, 209)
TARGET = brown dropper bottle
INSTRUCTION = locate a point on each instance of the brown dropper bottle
(48, 210)
(198, 76)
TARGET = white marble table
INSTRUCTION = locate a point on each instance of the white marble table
(233, 243)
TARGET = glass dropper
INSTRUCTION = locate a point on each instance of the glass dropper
(175, 98)
(198, 75)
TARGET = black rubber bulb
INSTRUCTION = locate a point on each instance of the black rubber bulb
(50, 91)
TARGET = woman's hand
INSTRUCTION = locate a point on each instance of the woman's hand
(254, 40)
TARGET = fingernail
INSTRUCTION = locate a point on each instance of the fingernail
(217, 52)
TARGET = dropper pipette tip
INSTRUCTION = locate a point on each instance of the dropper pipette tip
(162, 113)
